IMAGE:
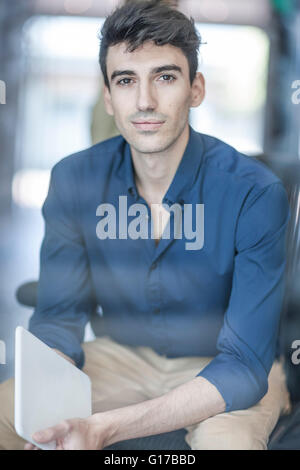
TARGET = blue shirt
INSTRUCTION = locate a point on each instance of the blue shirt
(223, 300)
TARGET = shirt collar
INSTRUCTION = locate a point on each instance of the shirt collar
(185, 176)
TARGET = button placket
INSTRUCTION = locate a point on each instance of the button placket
(153, 289)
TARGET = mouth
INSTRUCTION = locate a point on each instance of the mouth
(148, 125)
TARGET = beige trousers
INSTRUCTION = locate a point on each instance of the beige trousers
(123, 375)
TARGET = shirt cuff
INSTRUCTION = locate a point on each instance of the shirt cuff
(240, 386)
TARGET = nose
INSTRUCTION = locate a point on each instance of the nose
(146, 100)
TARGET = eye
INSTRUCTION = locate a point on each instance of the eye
(124, 81)
(167, 78)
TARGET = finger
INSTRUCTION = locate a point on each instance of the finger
(29, 446)
(53, 433)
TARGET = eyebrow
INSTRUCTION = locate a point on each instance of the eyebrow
(162, 68)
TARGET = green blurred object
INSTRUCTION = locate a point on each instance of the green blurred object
(284, 7)
(103, 125)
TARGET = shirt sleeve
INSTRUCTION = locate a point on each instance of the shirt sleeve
(247, 340)
(65, 297)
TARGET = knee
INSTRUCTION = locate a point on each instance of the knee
(223, 434)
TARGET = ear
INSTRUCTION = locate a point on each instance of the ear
(107, 101)
(197, 90)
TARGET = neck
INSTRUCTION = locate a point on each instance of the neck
(154, 172)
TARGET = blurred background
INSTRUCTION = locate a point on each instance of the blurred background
(51, 106)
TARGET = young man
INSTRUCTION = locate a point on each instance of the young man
(187, 337)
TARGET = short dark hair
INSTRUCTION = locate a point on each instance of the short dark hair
(149, 20)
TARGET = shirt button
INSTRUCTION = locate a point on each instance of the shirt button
(157, 311)
(132, 192)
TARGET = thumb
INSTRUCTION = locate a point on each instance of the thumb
(53, 433)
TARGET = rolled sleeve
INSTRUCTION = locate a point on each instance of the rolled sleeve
(65, 297)
(247, 340)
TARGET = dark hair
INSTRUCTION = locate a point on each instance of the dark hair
(150, 20)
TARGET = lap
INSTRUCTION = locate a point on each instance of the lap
(122, 375)
(119, 377)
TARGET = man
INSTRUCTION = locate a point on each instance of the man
(189, 324)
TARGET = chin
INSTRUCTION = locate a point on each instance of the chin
(151, 143)
(150, 147)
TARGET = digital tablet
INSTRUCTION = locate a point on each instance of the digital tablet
(48, 388)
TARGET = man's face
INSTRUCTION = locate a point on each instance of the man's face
(150, 94)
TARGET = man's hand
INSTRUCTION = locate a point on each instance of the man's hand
(73, 434)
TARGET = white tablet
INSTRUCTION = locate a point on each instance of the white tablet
(48, 388)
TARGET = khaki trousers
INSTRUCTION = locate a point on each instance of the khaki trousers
(123, 375)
